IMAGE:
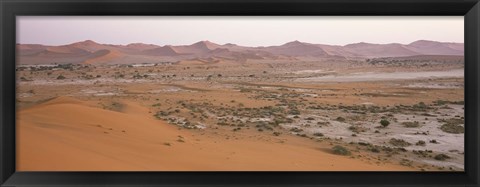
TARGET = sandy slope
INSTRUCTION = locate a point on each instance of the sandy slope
(68, 134)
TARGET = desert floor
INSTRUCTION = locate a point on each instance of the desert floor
(251, 116)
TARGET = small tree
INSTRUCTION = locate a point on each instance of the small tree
(384, 123)
(60, 77)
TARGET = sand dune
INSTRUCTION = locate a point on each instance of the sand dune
(140, 46)
(103, 56)
(80, 51)
(196, 48)
(380, 50)
(297, 48)
(97, 139)
(88, 45)
(434, 48)
(161, 51)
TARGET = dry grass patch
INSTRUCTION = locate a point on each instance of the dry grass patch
(399, 142)
(410, 124)
(452, 128)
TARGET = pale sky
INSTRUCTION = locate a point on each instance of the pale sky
(241, 30)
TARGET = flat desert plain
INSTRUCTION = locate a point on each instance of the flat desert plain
(285, 114)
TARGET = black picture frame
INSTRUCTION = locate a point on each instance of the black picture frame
(9, 9)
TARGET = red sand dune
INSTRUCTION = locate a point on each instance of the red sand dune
(81, 137)
(103, 56)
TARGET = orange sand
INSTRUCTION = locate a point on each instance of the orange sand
(65, 134)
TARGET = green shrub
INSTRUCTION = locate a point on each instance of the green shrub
(318, 134)
(375, 150)
(340, 150)
(295, 129)
(420, 143)
(340, 119)
(441, 157)
(357, 129)
(384, 122)
(452, 128)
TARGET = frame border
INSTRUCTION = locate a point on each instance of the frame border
(9, 9)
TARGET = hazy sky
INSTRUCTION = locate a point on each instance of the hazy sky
(247, 31)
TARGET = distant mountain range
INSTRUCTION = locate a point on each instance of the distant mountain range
(90, 52)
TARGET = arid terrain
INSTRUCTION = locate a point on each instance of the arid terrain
(210, 107)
